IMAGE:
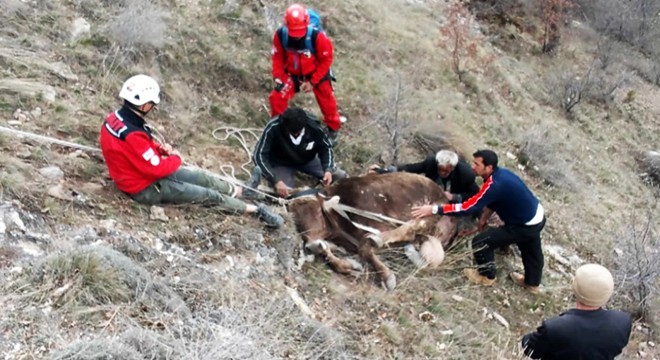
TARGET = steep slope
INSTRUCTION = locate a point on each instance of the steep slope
(79, 261)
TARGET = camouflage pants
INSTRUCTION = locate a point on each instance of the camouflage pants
(188, 185)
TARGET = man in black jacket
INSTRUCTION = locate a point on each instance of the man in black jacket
(587, 332)
(456, 176)
(291, 142)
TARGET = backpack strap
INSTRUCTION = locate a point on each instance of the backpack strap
(283, 35)
(310, 38)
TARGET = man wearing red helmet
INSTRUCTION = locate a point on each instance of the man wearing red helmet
(297, 66)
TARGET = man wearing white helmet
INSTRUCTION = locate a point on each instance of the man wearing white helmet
(588, 331)
(150, 172)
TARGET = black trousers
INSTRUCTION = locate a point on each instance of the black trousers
(528, 239)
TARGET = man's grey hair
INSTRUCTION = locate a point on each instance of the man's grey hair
(446, 157)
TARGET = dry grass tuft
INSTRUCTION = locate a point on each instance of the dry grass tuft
(139, 23)
(539, 153)
(80, 279)
(95, 275)
(242, 324)
(98, 349)
(11, 7)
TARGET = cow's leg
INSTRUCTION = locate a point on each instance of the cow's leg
(405, 232)
(342, 266)
(384, 273)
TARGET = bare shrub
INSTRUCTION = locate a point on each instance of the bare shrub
(607, 53)
(139, 23)
(647, 67)
(650, 164)
(637, 267)
(538, 152)
(569, 88)
(634, 22)
(501, 12)
(554, 14)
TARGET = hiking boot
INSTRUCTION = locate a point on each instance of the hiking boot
(267, 216)
(476, 278)
(252, 184)
(519, 279)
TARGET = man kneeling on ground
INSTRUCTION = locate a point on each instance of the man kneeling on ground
(291, 142)
(151, 173)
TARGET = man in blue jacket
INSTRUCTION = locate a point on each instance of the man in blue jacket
(505, 194)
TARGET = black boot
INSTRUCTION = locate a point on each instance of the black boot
(267, 216)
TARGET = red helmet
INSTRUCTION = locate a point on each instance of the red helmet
(296, 20)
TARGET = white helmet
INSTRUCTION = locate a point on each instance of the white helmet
(140, 89)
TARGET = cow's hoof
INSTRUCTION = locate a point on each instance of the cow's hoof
(414, 256)
(316, 246)
(355, 265)
(375, 240)
(390, 282)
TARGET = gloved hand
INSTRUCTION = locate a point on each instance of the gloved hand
(386, 170)
(279, 85)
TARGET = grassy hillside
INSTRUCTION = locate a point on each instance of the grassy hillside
(88, 274)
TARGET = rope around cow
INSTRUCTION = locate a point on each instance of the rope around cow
(230, 131)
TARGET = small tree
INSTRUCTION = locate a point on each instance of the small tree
(553, 15)
(638, 269)
(461, 44)
(395, 125)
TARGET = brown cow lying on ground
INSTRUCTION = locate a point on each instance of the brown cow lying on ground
(359, 215)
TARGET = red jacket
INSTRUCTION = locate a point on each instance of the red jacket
(295, 62)
(134, 159)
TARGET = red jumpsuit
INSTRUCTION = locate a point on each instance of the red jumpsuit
(292, 66)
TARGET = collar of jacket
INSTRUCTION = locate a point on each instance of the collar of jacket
(132, 118)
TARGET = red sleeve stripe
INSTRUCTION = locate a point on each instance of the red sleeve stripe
(471, 202)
